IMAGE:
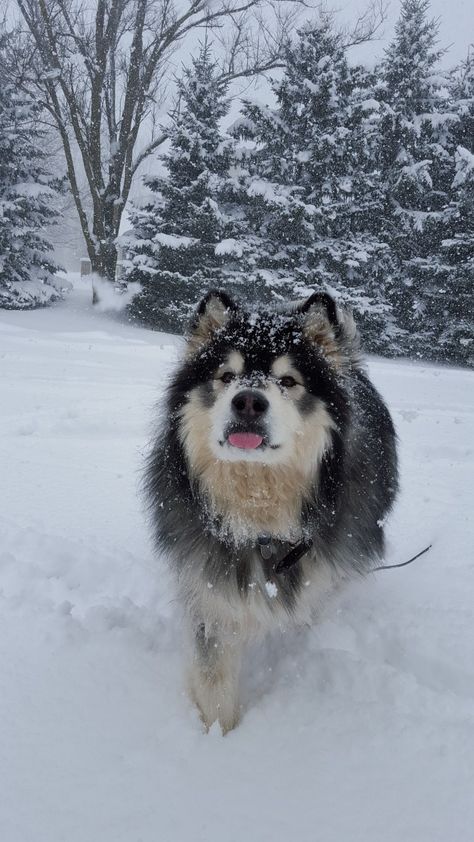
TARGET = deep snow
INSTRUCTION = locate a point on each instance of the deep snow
(360, 729)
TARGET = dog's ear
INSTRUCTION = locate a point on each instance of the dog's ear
(321, 324)
(331, 328)
(213, 313)
(321, 302)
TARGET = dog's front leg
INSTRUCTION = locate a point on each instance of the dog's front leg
(214, 677)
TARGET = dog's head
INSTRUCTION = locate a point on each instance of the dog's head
(264, 386)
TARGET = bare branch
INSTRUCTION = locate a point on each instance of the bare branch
(366, 25)
(147, 151)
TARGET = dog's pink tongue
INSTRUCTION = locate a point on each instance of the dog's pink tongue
(247, 441)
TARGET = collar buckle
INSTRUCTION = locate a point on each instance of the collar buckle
(265, 545)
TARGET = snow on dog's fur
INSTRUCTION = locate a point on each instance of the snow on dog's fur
(273, 435)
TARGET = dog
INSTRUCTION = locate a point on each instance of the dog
(269, 480)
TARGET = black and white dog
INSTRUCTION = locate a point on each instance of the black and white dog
(270, 478)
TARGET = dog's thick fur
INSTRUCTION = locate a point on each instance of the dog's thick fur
(325, 472)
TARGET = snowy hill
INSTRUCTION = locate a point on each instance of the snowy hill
(358, 730)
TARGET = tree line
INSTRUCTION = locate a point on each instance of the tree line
(357, 180)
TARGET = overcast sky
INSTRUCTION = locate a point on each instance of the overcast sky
(456, 26)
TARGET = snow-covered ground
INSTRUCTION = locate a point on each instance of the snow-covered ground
(358, 730)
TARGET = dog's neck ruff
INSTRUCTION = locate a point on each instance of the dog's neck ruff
(245, 500)
(267, 548)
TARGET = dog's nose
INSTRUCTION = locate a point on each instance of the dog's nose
(249, 404)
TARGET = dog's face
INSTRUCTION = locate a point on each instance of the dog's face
(261, 387)
(256, 410)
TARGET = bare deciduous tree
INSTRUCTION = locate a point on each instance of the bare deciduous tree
(101, 70)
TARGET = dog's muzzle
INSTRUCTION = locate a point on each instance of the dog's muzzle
(248, 408)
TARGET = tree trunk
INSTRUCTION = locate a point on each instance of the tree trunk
(104, 264)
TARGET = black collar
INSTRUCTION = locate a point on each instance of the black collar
(267, 549)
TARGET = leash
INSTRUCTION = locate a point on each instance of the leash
(293, 556)
(267, 549)
(403, 563)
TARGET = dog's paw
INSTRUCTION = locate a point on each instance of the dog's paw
(223, 723)
(215, 700)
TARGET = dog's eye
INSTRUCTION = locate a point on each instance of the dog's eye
(227, 377)
(287, 382)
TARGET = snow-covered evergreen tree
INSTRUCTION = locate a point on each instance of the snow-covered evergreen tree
(27, 204)
(462, 93)
(457, 247)
(418, 169)
(184, 237)
(312, 184)
(456, 338)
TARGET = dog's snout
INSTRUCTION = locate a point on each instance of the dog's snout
(249, 404)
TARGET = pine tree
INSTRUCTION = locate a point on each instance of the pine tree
(27, 203)
(457, 246)
(462, 93)
(418, 170)
(313, 182)
(183, 239)
(457, 333)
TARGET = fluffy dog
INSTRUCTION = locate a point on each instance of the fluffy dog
(269, 480)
